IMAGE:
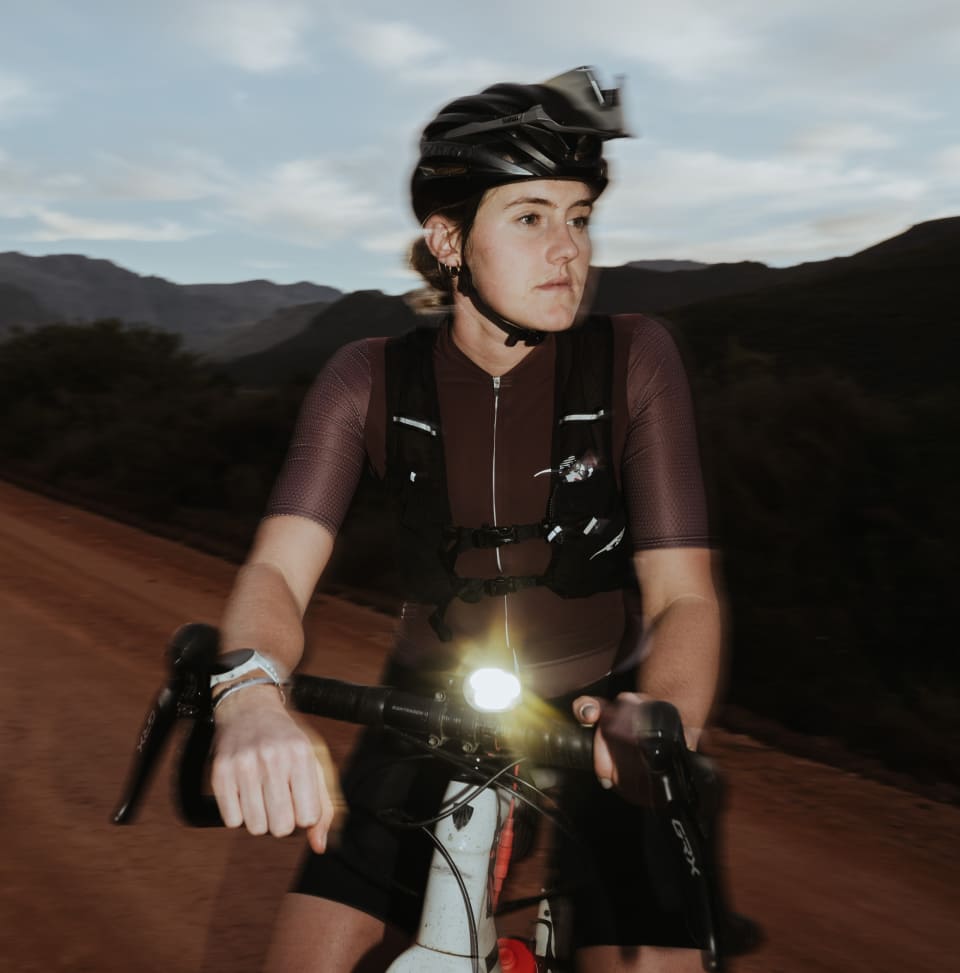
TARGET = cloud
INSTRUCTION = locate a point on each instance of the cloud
(817, 238)
(175, 174)
(780, 243)
(685, 40)
(400, 272)
(19, 97)
(743, 57)
(840, 139)
(697, 40)
(56, 226)
(800, 90)
(946, 164)
(396, 242)
(269, 266)
(894, 34)
(309, 201)
(170, 175)
(753, 56)
(260, 36)
(782, 208)
(413, 56)
(674, 179)
(21, 185)
(393, 45)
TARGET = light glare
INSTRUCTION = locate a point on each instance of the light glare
(492, 690)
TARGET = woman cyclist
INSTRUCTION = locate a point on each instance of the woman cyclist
(543, 471)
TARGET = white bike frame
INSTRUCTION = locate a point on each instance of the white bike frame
(470, 836)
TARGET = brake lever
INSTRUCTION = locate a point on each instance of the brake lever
(646, 741)
(150, 745)
(657, 771)
(191, 656)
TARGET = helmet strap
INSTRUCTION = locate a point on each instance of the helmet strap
(514, 332)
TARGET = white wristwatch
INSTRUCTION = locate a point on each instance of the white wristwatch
(242, 661)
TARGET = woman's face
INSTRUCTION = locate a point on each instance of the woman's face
(529, 251)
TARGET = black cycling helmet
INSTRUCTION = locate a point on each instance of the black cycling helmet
(511, 132)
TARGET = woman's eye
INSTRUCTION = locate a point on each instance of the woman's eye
(580, 222)
(529, 219)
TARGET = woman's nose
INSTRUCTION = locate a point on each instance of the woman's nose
(563, 248)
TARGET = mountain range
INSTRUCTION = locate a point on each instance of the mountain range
(69, 287)
(851, 309)
(885, 316)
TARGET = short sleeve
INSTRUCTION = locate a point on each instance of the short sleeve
(326, 456)
(662, 477)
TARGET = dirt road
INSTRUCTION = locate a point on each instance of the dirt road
(844, 874)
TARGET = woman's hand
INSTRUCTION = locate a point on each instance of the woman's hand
(588, 710)
(615, 760)
(268, 772)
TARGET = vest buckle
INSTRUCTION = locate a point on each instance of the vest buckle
(490, 536)
(509, 586)
(499, 586)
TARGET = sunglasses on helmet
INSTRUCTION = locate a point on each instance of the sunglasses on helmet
(600, 108)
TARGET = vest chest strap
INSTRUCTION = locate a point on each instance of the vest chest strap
(472, 590)
(487, 536)
(475, 588)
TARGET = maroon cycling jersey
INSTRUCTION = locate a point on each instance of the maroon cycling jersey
(497, 435)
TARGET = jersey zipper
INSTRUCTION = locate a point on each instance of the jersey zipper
(493, 496)
(493, 463)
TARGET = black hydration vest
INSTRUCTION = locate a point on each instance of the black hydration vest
(584, 522)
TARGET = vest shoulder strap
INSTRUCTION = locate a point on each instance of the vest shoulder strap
(414, 444)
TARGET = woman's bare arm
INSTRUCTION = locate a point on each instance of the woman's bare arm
(267, 773)
(683, 623)
(682, 648)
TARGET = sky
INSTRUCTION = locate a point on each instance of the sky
(227, 140)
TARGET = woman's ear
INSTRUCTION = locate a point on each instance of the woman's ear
(443, 238)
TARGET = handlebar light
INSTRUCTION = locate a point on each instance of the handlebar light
(492, 690)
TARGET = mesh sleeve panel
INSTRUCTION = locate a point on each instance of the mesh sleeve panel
(662, 478)
(327, 454)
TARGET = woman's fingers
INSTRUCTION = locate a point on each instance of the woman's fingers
(227, 793)
(317, 810)
(278, 771)
(588, 709)
(603, 764)
(334, 807)
(306, 791)
(271, 776)
(252, 804)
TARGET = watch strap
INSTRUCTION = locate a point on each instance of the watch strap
(254, 662)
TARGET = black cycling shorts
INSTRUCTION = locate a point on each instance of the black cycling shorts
(619, 865)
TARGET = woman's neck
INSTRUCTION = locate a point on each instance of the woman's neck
(483, 342)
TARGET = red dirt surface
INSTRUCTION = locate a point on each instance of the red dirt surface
(843, 873)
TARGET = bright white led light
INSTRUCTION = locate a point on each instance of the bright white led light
(492, 690)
